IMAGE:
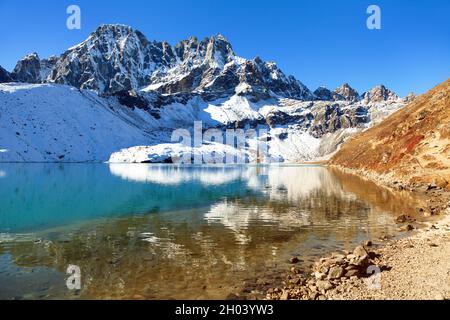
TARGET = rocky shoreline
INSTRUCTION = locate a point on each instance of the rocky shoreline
(335, 273)
(413, 267)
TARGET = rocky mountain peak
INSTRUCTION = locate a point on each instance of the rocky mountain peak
(114, 28)
(215, 50)
(219, 50)
(323, 93)
(112, 59)
(31, 56)
(347, 93)
(4, 76)
(379, 94)
(221, 37)
(116, 32)
(28, 69)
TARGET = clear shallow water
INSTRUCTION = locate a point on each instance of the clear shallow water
(163, 232)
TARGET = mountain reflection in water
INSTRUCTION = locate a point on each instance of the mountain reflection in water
(187, 232)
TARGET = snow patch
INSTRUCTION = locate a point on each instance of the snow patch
(58, 123)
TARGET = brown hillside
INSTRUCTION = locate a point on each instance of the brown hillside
(412, 145)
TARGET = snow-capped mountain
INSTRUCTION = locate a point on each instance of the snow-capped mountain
(118, 90)
(347, 93)
(324, 94)
(116, 58)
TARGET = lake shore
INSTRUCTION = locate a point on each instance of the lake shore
(415, 267)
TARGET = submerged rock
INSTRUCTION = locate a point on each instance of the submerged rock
(294, 260)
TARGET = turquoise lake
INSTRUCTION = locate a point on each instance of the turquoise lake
(140, 231)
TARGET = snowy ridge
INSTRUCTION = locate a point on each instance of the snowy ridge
(118, 96)
(117, 57)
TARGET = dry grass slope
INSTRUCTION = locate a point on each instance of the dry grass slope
(411, 146)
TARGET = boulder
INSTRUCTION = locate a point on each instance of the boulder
(336, 272)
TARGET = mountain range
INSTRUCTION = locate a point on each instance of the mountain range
(118, 95)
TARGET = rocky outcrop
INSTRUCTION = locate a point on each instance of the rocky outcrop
(28, 69)
(333, 117)
(379, 94)
(4, 76)
(31, 69)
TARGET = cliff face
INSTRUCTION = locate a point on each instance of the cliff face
(412, 146)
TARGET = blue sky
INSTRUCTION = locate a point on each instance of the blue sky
(319, 42)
